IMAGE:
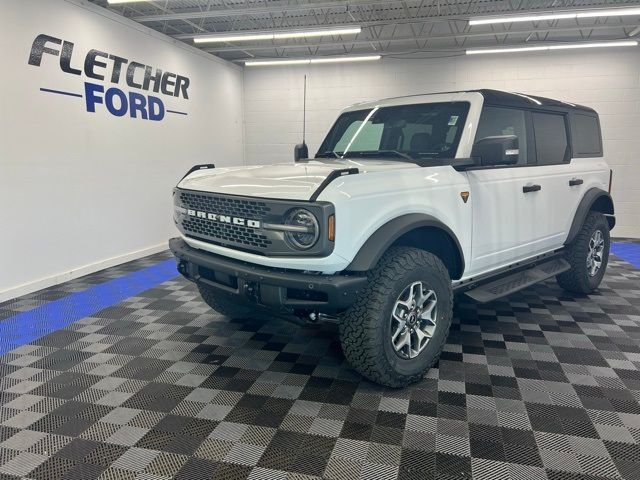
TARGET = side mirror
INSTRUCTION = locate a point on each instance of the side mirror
(300, 152)
(498, 150)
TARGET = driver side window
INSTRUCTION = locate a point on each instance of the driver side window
(496, 121)
(360, 138)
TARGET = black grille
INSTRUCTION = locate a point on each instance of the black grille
(225, 233)
(236, 207)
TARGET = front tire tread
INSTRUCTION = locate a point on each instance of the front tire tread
(360, 331)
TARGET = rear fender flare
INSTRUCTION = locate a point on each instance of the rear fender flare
(594, 197)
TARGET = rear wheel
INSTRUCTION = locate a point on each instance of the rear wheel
(396, 329)
(221, 304)
(588, 256)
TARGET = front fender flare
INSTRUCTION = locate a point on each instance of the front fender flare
(383, 238)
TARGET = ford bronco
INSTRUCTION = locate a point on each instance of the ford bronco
(408, 201)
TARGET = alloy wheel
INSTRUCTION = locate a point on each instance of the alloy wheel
(595, 253)
(413, 320)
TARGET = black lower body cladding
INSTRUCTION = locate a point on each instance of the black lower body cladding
(268, 287)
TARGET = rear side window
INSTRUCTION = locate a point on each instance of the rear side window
(496, 121)
(585, 133)
(551, 138)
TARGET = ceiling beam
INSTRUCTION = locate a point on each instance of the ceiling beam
(459, 50)
(364, 24)
(464, 31)
(436, 9)
(396, 39)
(233, 12)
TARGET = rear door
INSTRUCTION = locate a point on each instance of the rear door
(562, 186)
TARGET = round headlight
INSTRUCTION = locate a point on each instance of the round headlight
(305, 231)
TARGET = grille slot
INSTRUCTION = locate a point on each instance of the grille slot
(220, 232)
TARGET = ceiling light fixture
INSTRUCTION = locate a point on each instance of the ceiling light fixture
(540, 48)
(115, 2)
(307, 61)
(618, 12)
(281, 35)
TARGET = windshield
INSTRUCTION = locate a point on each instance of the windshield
(405, 132)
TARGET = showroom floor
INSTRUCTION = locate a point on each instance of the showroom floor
(127, 374)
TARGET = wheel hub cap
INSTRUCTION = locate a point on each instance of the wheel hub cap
(595, 253)
(413, 320)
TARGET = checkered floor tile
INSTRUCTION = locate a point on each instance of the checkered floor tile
(542, 384)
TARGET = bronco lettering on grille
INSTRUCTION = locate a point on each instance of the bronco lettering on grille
(216, 217)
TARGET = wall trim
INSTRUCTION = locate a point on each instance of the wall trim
(62, 277)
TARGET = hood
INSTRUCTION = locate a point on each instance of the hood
(294, 181)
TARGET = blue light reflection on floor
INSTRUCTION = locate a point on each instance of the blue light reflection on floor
(28, 326)
(629, 252)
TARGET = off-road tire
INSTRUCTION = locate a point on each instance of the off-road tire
(365, 327)
(577, 279)
(218, 302)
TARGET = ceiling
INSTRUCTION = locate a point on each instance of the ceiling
(398, 28)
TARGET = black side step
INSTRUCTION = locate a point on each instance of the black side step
(519, 280)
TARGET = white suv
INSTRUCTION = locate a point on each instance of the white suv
(408, 201)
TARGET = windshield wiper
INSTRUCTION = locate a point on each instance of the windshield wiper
(381, 153)
(395, 152)
(328, 154)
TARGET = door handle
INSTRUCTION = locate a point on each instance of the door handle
(531, 188)
(575, 181)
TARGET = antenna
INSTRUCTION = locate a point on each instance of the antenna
(304, 109)
(301, 151)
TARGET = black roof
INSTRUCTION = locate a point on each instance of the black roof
(519, 100)
(513, 99)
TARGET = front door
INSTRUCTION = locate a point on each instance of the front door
(516, 210)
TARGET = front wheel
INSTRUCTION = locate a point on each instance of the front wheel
(588, 256)
(396, 329)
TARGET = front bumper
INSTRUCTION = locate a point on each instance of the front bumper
(285, 290)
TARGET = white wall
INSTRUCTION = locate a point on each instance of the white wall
(607, 80)
(80, 191)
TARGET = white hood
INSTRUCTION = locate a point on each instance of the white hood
(295, 181)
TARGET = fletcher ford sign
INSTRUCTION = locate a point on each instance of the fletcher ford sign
(113, 69)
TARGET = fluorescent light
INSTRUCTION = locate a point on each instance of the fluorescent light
(504, 50)
(528, 18)
(243, 37)
(233, 38)
(621, 12)
(363, 58)
(307, 61)
(318, 33)
(618, 12)
(260, 63)
(115, 2)
(566, 46)
(625, 43)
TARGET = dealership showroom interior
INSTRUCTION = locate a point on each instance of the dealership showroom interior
(320, 239)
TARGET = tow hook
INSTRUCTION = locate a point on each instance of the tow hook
(250, 290)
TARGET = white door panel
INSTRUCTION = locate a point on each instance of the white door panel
(510, 225)
(507, 224)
